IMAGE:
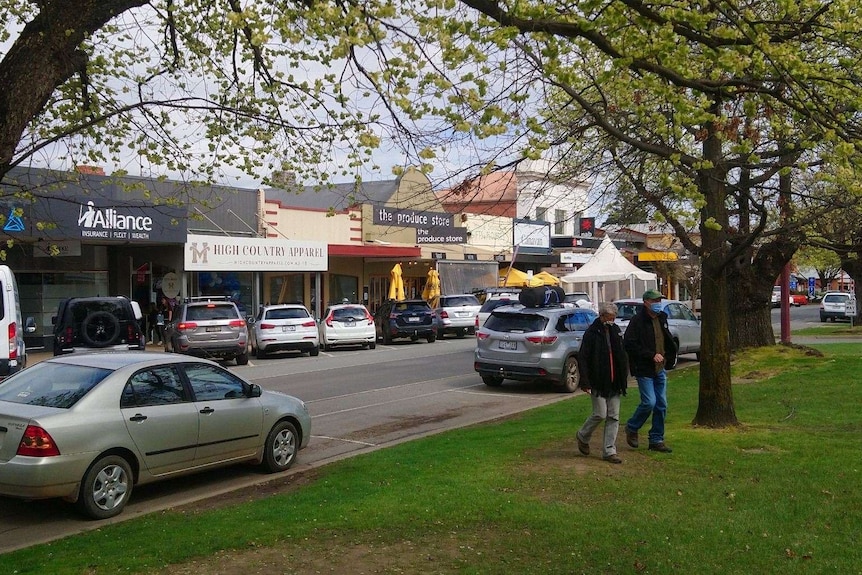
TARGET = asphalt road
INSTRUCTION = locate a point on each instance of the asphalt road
(360, 400)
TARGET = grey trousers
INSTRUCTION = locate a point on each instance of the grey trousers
(605, 409)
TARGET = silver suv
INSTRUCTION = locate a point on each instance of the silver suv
(208, 327)
(526, 343)
(457, 314)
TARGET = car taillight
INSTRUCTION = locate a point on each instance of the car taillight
(13, 341)
(130, 333)
(236, 323)
(542, 340)
(444, 314)
(311, 323)
(186, 325)
(37, 443)
(369, 317)
(267, 326)
(482, 335)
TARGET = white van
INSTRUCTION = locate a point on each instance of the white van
(13, 355)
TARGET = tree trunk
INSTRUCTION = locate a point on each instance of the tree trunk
(852, 264)
(750, 283)
(715, 400)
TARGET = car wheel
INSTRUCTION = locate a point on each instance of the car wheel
(431, 338)
(314, 351)
(282, 443)
(261, 352)
(460, 333)
(571, 375)
(492, 380)
(106, 487)
(326, 347)
(372, 345)
(822, 319)
(253, 351)
(697, 355)
(100, 329)
(242, 359)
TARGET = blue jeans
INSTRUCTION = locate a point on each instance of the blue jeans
(653, 402)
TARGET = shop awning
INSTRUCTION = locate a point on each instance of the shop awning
(658, 256)
(375, 251)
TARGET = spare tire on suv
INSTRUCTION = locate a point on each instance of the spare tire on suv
(97, 323)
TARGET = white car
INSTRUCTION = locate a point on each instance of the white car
(284, 327)
(493, 301)
(347, 324)
(457, 314)
(684, 325)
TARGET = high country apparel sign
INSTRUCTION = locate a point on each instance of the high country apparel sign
(222, 253)
(431, 227)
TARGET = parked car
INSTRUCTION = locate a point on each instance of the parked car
(494, 300)
(457, 314)
(527, 343)
(208, 327)
(833, 305)
(347, 324)
(284, 327)
(793, 299)
(157, 416)
(13, 351)
(102, 323)
(579, 299)
(412, 318)
(684, 325)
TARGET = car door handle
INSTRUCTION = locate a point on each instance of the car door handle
(207, 410)
(137, 417)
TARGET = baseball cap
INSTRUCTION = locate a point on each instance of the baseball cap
(652, 294)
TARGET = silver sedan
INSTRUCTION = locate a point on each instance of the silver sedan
(88, 427)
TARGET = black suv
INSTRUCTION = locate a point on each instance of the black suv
(412, 318)
(97, 323)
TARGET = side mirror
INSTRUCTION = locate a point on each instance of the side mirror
(53, 320)
(250, 320)
(254, 390)
(30, 325)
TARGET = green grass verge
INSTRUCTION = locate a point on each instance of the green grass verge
(778, 494)
(839, 329)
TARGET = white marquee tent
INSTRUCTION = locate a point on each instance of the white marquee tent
(609, 276)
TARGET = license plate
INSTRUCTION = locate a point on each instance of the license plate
(462, 314)
(288, 328)
(350, 323)
(214, 328)
(413, 319)
(508, 345)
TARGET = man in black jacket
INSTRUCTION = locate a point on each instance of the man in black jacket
(651, 348)
(604, 375)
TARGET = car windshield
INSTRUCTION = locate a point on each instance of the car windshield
(516, 322)
(348, 313)
(419, 306)
(51, 384)
(575, 297)
(80, 310)
(210, 312)
(455, 301)
(493, 304)
(286, 313)
(628, 310)
(836, 298)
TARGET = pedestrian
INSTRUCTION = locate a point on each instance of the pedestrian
(651, 350)
(604, 375)
(165, 314)
(152, 327)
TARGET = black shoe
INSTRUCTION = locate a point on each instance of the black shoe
(660, 447)
(583, 447)
(632, 438)
(613, 458)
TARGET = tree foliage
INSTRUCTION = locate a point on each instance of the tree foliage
(709, 110)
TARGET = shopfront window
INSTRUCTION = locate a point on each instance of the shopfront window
(237, 286)
(344, 288)
(286, 288)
